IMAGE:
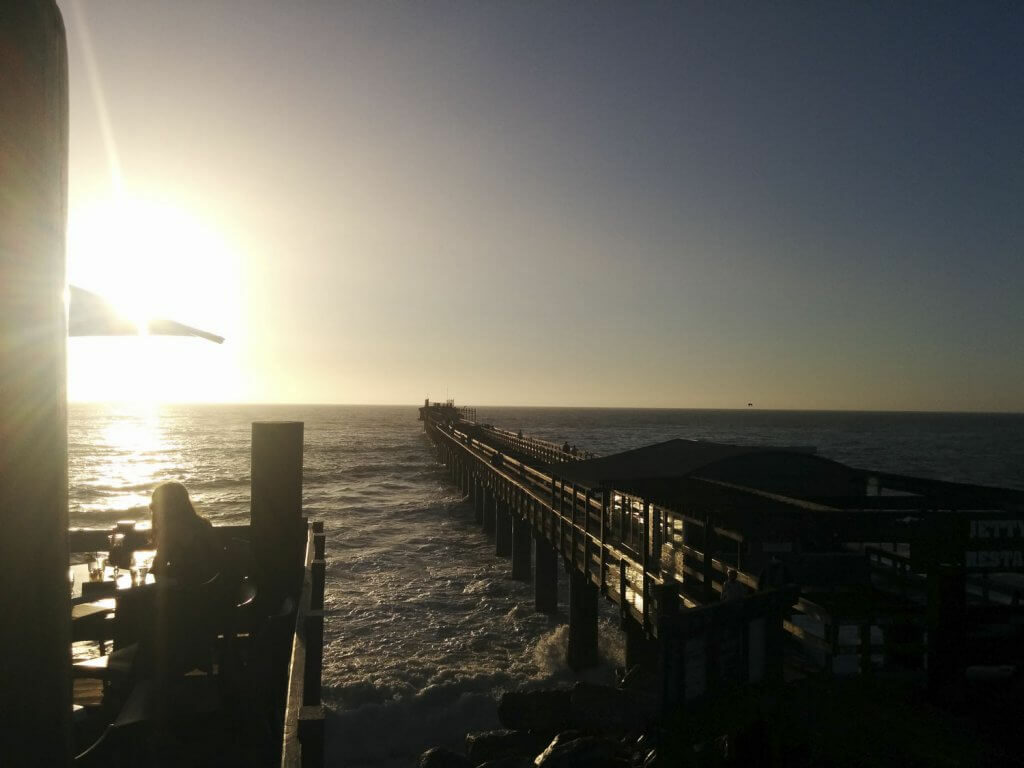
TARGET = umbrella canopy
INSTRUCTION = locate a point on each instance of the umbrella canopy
(92, 315)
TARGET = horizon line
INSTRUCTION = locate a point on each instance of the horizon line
(548, 407)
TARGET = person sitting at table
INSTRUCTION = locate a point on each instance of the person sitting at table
(186, 549)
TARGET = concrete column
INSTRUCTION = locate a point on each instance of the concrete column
(278, 532)
(582, 650)
(503, 530)
(545, 580)
(489, 509)
(35, 713)
(520, 548)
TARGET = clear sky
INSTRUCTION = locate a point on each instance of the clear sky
(806, 205)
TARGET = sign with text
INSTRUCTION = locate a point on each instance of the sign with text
(994, 544)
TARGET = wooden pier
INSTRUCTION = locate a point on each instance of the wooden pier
(847, 571)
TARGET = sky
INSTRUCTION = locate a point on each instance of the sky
(692, 205)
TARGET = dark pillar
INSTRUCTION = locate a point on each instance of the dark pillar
(582, 650)
(478, 501)
(520, 548)
(640, 649)
(503, 530)
(35, 714)
(278, 532)
(545, 580)
(489, 509)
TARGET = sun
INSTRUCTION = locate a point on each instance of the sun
(153, 258)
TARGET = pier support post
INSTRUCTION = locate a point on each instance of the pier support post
(520, 548)
(478, 501)
(36, 639)
(545, 580)
(278, 530)
(582, 650)
(641, 650)
(503, 530)
(490, 503)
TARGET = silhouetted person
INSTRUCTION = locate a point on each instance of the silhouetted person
(733, 589)
(186, 549)
(574, 450)
(565, 447)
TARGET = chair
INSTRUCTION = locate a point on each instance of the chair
(147, 731)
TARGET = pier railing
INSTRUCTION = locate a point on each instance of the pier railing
(531, 447)
(303, 738)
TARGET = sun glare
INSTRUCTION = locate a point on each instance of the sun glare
(153, 259)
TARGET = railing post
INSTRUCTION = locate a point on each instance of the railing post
(645, 560)
(605, 500)
(586, 532)
(278, 532)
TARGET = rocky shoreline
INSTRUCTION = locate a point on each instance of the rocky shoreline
(587, 724)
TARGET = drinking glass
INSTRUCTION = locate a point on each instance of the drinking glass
(97, 566)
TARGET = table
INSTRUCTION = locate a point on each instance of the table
(109, 584)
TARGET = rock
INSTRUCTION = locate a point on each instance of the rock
(600, 709)
(543, 710)
(580, 751)
(439, 757)
(492, 745)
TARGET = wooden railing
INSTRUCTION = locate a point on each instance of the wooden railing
(303, 738)
(531, 447)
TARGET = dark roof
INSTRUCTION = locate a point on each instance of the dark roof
(671, 459)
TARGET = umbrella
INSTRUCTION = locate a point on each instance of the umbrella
(92, 315)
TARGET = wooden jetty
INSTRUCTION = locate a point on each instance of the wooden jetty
(847, 571)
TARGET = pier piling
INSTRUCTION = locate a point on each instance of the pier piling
(545, 580)
(582, 650)
(489, 510)
(503, 530)
(641, 650)
(478, 501)
(520, 548)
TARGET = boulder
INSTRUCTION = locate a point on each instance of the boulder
(482, 746)
(600, 709)
(542, 710)
(439, 757)
(573, 751)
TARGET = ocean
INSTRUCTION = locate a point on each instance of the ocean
(425, 627)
